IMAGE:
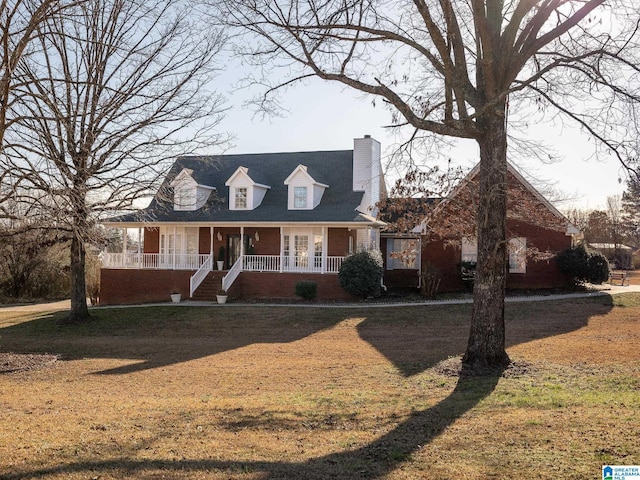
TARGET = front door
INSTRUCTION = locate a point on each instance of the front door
(233, 247)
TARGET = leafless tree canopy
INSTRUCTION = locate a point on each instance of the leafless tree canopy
(113, 90)
(441, 64)
(116, 89)
(461, 69)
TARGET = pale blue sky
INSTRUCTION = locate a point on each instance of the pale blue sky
(325, 116)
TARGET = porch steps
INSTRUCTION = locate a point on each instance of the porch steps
(210, 286)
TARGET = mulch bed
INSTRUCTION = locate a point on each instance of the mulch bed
(20, 362)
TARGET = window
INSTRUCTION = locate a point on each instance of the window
(317, 258)
(469, 249)
(300, 197)
(301, 250)
(241, 197)
(191, 237)
(286, 251)
(518, 255)
(403, 253)
(184, 197)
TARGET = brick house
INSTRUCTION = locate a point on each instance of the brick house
(445, 240)
(272, 219)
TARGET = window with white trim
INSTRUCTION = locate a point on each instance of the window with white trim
(241, 197)
(403, 254)
(300, 197)
(518, 255)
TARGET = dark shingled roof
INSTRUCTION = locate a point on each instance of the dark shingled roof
(334, 168)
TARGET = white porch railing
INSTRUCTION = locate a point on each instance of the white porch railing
(154, 261)
(250, 263)
(275, 263)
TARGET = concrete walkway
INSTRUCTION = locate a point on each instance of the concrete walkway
(596, 290)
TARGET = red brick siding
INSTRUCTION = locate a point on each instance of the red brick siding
(445, 258)
(269, 243)
(151, 240)
(338, 243)
(282, 285)
(540, 274)
(204, 240)
(142, 286)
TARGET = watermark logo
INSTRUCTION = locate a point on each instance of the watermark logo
(621, 472)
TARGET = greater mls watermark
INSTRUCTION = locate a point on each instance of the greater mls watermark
(621, 472)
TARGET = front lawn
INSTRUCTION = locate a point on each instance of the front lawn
(250, 392)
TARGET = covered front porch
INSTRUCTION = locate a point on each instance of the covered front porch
(201, 250)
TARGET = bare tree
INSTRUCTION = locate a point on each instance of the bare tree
(631, 210)
(462, 69)
(19, 20)
(117, 88)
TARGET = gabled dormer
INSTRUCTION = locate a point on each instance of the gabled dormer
(189, 195)
(305, 192)
(245, 191)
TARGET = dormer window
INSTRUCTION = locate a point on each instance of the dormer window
(189, 195)
(184, 197)
(305, 191)
(245, 193)
(241, 198)
(299, 197)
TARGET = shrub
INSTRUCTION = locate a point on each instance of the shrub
(573, 263)
(360, 273)
(431, 278)
(307, 289)
(597, 268)
(583, 266)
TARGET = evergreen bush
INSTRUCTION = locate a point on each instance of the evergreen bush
(307, 289)
(583, 266)
(360, 274)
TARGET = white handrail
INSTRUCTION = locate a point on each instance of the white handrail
(233, 273)
(198, 277)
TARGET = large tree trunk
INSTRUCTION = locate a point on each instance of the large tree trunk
(486, 346)
(79, 310)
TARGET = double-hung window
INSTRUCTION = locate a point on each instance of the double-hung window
(300, 197)
(241, 197)
(518, 255)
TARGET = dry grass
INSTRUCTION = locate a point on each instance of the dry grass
(310, 393)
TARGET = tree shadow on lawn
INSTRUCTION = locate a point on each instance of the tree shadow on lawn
(374, 460)
(443, 331)
(171, 336)
(412, 350)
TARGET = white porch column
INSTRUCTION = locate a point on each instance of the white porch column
(325, 246)
(281, 249)
(175, 245)
(139, 248)
(241, 241)
(124, 243)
